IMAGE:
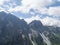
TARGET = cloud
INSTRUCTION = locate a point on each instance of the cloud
(40, 5)
(47, 21)
(19, 8)
(26, 5)
(36, 3)
(50, 21)
(28, 20)
(54, 11)
(1, 9)
(3, 1)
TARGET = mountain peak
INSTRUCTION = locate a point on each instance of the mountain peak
(36, 23)
(15, 31)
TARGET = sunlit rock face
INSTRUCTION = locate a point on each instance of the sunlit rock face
(15, 31)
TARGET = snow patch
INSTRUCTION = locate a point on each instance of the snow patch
(45, 39)
(31, 40)
(23, 36)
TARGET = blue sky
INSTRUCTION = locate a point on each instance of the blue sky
(47, 11)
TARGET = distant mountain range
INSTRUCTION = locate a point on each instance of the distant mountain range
(15, 31)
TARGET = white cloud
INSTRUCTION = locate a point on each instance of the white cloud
(19, 8)
(26, 5)
(54, 11)
(36, 3)
(28, 20)
(40, 5)
(43, 10)
(50, 21)
(3, 1)
(1, 9)
(45, 21)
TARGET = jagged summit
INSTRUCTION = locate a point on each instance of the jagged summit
(36, 22)
(36, 25)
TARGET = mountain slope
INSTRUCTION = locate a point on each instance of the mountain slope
(50, 34)
(15, 31)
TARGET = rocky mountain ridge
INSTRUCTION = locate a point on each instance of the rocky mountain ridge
(15, 31)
